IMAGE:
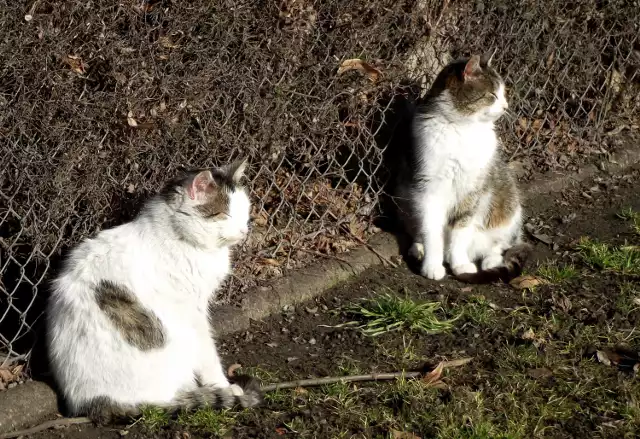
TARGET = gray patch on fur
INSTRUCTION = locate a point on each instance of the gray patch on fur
(139, 326)
(217, 397)
(102, 410)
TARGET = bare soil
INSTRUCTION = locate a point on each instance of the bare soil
(534, 371)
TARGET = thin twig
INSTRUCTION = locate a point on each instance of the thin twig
(268, 388)
(324, 255)
(442, 11)
(370, 247)
(346, 379)
(45, 426)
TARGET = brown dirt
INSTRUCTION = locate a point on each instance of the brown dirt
(570, 320)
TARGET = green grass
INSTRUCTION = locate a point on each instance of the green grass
(207, 420)
(630, 215)
(627, 300)
(386, 313)
(477, 309)
(154, 418)
(623, 259)
(555, 273)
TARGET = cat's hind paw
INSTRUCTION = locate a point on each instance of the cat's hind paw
(250, 395)
(492, 261)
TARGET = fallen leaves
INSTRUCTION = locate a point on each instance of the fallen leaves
(533, 337)
(434, 378)
(130, 120)
(357, 64)
(540, 373)
(396, 434)
(10, 374)
(623, 359)
(526, 282)
(76, 64)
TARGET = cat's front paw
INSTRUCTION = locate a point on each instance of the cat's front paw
(247, 390)
(468, 268)
(433, 271)
(416, 251)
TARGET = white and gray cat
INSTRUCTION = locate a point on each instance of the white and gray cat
(458, 199)
(128, 319)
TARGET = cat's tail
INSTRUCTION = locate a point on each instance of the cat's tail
(514, 261)
(245, 392)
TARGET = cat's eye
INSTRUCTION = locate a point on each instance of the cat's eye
(494, 95)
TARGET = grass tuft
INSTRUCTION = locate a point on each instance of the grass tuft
(555, 273)
(386, 313)
(154, 418)
(207, 420)
(617, 259)
(628, 214)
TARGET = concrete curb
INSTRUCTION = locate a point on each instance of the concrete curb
(26, 405)
(303, 284)
(32, 402)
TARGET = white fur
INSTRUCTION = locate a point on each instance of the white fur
(454, 154)
(171, 277)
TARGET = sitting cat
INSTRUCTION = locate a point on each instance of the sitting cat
(128, 319)
(458, 198)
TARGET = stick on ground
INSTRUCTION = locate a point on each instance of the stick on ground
(45, 426)
(268, 388)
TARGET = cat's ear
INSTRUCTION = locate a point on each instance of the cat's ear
(488, 57)
(472, 69)
(202, 183)
(236, 169)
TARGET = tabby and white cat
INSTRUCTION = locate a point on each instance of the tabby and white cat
(128, 319)
(459, 200)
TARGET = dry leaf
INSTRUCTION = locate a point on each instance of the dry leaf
(280, 431)
(130, 120)
(358, 64)
(526, 282)
(17, 370)
(395, 434)
(550, 59)
(538, 373)
(300, 391)
(466, 289)
(529, 335)
(537, 124)
(434, 376)
(270, 261)
(457, 363)
(232, 369)
(524, 124)
(76, 64)
(167, 43)
(6, 376)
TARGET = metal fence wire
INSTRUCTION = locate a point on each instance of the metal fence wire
(102, 101)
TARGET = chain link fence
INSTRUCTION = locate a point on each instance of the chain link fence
(101, 101)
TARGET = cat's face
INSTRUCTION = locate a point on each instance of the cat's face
(474, 89)
(214, 206)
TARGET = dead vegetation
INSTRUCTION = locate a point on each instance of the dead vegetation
(101, 101)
